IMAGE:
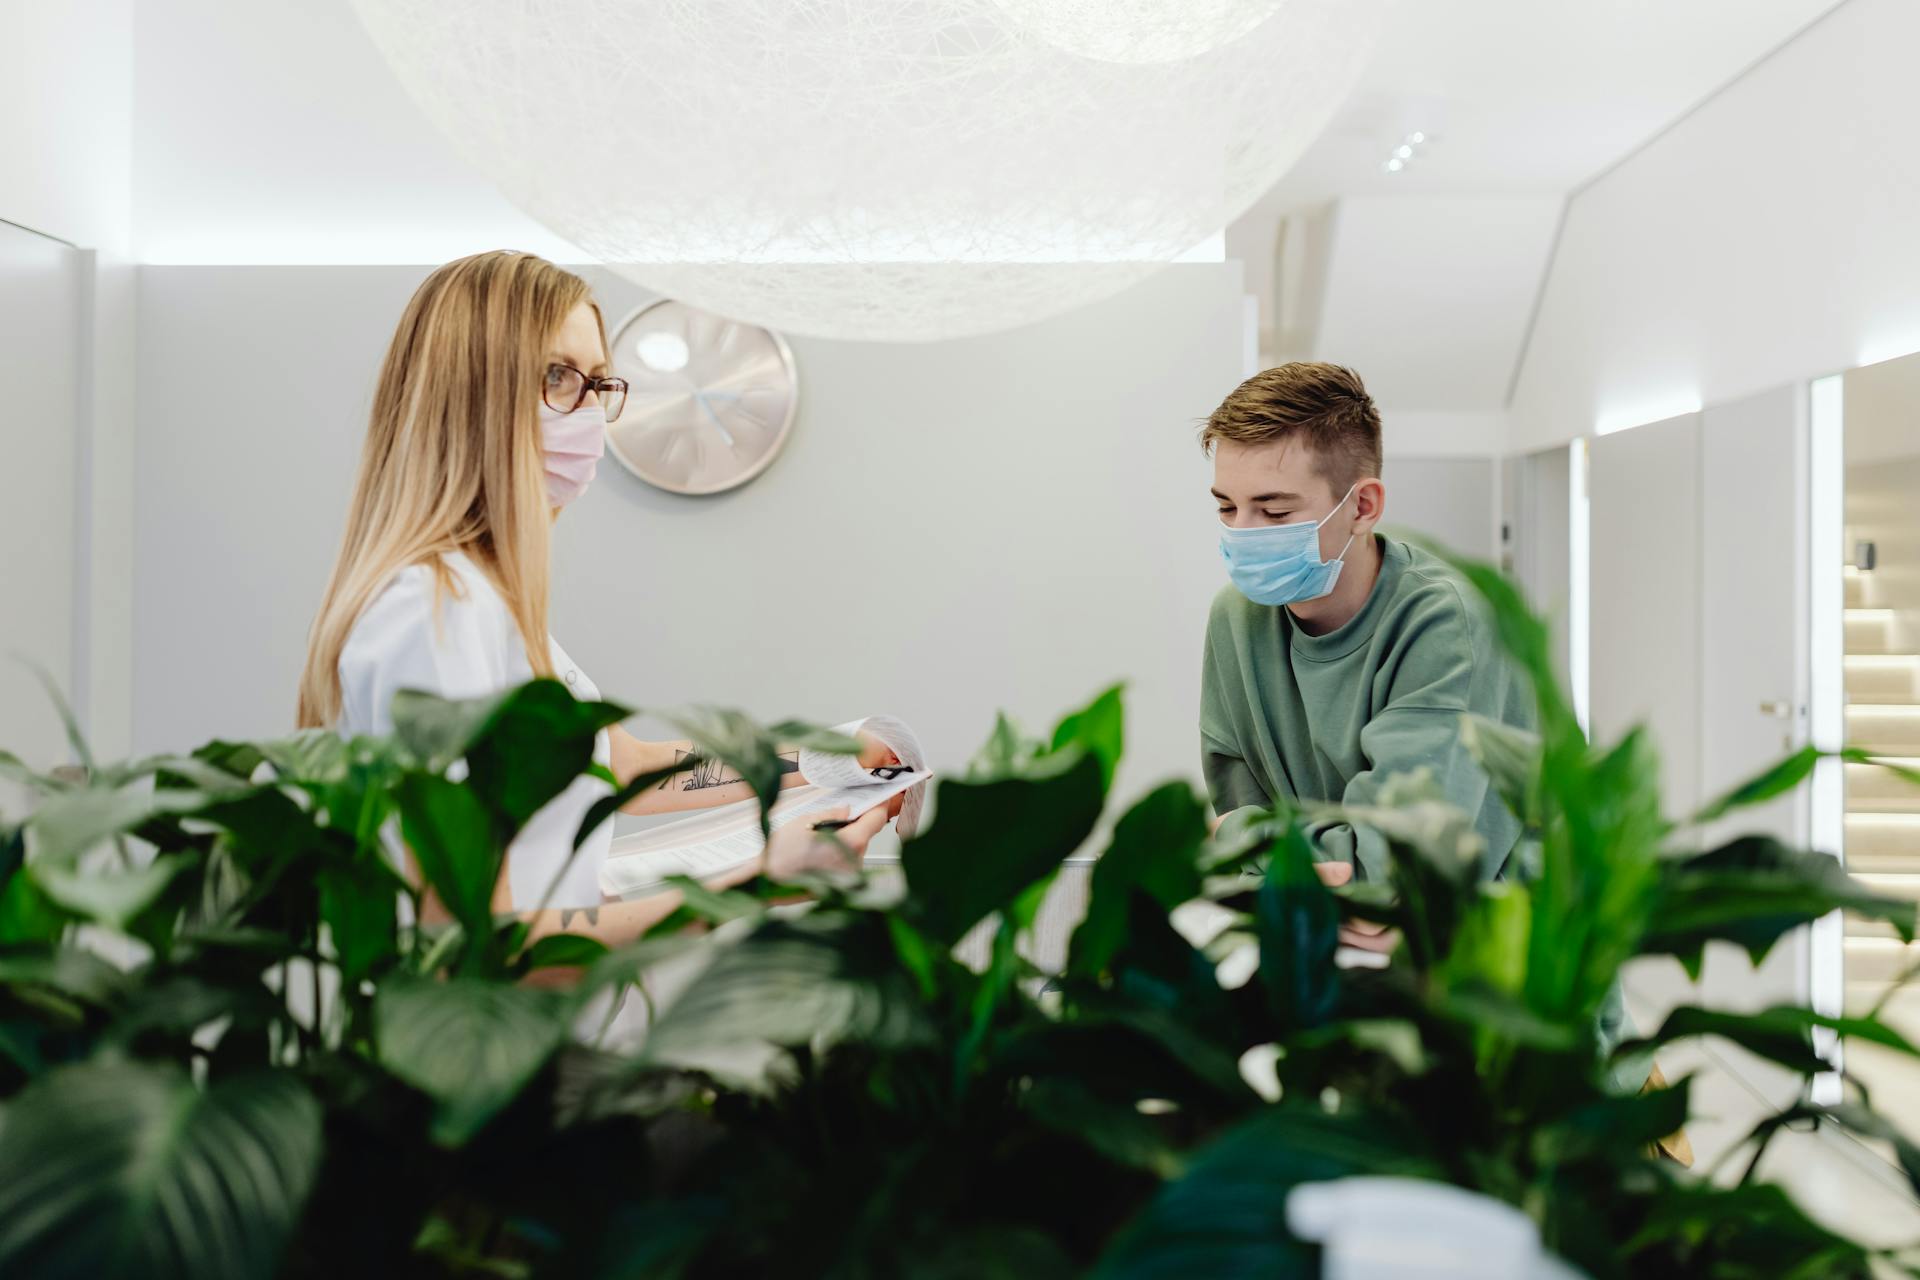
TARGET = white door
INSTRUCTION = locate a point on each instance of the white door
(1697, 625)
(39, 432)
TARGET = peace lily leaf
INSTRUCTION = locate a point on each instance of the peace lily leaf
(811, 737)
(469, 1044)
(1754, 891)
(806, 981)
(536, 741)
(994, 839)
(452, 838)
(1227, 1215)
(1100, 729)
(73, 970)
(111, 897)
(1625, 1124)
(1007, 751)
(71, 823)
(564, 950)
(1783, 1033)
(1115, 1129)
(1775, 781)
(1155, 849)
(311, 755)
(119, 1168)
(1511, 758)
(1298, 922)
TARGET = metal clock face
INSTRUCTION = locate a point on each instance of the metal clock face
(711, 400)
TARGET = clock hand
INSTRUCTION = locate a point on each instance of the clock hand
(700, 399)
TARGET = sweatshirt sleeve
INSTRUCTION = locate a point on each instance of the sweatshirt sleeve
(1438, 676)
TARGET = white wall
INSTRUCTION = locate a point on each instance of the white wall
(66, 126)
(66, 107)
(1008, 521)
(40, 371)
(1428, 296)
(340, 165)
(1768, 237)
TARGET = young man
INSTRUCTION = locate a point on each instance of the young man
(1337, 657)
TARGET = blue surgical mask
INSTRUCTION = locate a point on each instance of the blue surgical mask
(1280, 563)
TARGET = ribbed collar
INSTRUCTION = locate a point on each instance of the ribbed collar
(1338, 643)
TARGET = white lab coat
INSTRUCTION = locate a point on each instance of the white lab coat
(472, 649)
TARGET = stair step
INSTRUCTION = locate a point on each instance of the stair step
(1883, 842)
(1891, 884)
(1891, 728)
(1857, 588)
(1882, 677)
(1878, 960)
(1871, 631)
(1871, 789)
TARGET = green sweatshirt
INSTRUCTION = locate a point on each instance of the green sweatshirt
(1329, 718)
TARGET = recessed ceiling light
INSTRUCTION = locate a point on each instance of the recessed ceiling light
(1403, 153)
(1416, 138)
(1395, 165)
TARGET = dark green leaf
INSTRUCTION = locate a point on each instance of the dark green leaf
(359, 904)
(116, 1168)
(1625, 1126)
(538, 739)
(1155, 849)
(1099, 728)
(1228, 1215)
(452, 838)
(1774, 781)
(991, 840)
(470, 1045)
(806, 981)
(1783, 1033)
(564, 951)
(1752, 892)
(1298, 922)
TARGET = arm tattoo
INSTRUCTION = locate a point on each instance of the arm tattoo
(789, 762)
(590, 914)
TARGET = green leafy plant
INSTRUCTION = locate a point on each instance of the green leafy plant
(229, 1048)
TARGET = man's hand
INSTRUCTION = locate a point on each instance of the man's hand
(1364, 935)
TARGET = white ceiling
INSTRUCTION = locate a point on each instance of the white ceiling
(1431, 273)
(1532, 96)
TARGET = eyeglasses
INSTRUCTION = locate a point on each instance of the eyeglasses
(566, 388)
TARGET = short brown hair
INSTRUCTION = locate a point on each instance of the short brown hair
(1325, 406)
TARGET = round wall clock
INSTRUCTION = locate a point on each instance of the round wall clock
(711, 400)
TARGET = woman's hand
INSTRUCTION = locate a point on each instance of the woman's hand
(875, 754)
(797, 850)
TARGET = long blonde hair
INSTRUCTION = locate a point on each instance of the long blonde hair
(452, 460)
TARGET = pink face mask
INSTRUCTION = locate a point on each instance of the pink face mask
(573, 443)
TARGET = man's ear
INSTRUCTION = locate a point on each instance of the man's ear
(1369, 504)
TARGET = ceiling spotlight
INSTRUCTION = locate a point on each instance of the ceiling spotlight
(1403, 153)
(1416, 138)
(1395, 165)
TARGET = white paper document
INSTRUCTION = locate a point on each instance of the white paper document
(719, 840)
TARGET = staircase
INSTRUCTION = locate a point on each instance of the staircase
(1882, 835)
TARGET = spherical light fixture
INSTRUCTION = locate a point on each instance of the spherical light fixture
(874, 169)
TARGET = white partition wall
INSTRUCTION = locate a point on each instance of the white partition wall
(40, 370)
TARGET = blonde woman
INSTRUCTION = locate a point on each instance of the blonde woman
(488, 420)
